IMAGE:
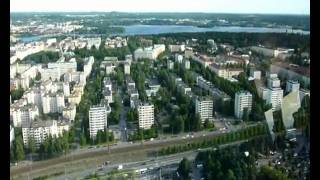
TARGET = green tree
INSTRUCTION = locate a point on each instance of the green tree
(82, 139)
(245, 115)
(184, 169)
(208, 124)
(31, 145)
(230, 175)
(16, 94)
(196, 122)
(267, 172)
(38, 77)
(180, 124)
(19, 151)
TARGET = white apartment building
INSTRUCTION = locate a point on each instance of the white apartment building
(292, 86)
(185, 89)
(60, 86)
(108, 95)
(97, 119)
(145, 115)
(204, 106)
(117, 42)
(107, 83)
(225, 72)
(215, 92)
(177, 48)
(93, 42)
(87, 67)
(203, 60)
(11, 135)
(23, 115)
(127, 68)
(63, 66)
(273, 82)
(303, 93)
(79, 87)
(274, 97)
(78, 77)
(40, 130)
(178, 58)
(149, 52)
(69, 112)
(188, 53)
(170, 64)
(110, 66)
(53, 102)
(186, 64)
(243, 99)
(256, 74)
(50, 73)
(75, 97)
(19, 81)
(18, 68)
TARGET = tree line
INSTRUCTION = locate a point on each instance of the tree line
(242, 134)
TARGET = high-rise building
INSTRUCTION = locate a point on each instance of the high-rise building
(178, 58)
(274, 97)
(303, 93)
(53, 102)
(273, 81)
(243, 99)
(170, 64)
(204, 106)
(292, 86)
(186, 64)
(97, 119)
(69, 112)
(127, 68)
(145, 115)
(23, 115)
(256, 74)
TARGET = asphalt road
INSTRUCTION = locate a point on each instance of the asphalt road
(150, 166)
(120, 152)
(122, 122)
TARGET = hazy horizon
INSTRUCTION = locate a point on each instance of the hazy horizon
(286, 7)
(156, 12)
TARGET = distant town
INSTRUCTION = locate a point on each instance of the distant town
(86, 103)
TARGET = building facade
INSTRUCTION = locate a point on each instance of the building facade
(243, 99)
(204, 106)
(145, 115)
(97, 119)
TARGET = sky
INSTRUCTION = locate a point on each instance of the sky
(212, 6)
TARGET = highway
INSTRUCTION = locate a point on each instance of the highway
(122, 152)
(150, 166)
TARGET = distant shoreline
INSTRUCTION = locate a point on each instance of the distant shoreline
(168, 29)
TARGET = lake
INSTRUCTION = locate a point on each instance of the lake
(160, 29)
